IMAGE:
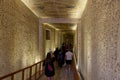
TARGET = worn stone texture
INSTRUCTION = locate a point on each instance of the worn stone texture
(101, 40)
(19, 36)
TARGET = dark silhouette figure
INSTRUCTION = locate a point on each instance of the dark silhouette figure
(49, 66)
(60, 59)
(56, 53)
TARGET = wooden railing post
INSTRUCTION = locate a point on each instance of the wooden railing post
(40, 68)
(30, 72)
(12, 77)
(23, 74)
(36, 72)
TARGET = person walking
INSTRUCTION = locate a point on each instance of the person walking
(49, 66)
(56, 53)
(60, 59)
(68, 58)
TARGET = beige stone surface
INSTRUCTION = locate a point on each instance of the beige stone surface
(100, 40)
(19, 36)
(52, 42)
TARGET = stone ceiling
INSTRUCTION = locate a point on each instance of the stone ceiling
(56, 8)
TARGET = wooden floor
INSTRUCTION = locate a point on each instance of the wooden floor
(61, 74)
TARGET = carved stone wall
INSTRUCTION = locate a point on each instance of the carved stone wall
(101, 40)
(19, 36)
(49, 39)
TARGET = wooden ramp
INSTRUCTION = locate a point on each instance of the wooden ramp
(61, 74)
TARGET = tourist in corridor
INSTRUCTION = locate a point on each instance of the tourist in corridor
(68, 58)
(49, 66)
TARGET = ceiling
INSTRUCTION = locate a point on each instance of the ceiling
(62, 26)
(56, 8)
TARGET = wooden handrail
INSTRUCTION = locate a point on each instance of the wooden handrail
(76, 74)
(75, 56)
(23, 71)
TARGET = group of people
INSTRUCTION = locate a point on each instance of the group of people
(61, 56)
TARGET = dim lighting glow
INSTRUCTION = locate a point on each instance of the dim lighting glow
(50, 26)
(80, 6)
(36, 60)
(77, 66)
(74, 27)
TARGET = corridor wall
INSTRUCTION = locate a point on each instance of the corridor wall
(49, 44)
(100, 29)
(19, 36)
(55, 39)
